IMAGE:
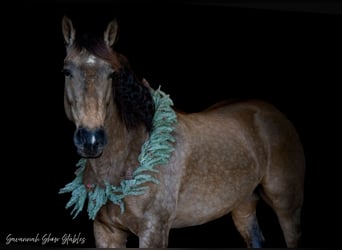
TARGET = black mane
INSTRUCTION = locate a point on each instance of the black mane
(133, 99)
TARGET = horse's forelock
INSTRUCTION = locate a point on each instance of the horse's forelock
(94, 45)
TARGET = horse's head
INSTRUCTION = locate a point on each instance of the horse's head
(95, 79)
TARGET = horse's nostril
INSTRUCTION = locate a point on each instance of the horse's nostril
(99, 137)
(80, 136)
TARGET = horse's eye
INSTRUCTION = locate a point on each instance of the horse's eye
(67, 72)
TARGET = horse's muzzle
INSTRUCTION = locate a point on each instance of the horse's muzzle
(90, 142)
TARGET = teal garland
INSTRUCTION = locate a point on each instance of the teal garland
(155, 151)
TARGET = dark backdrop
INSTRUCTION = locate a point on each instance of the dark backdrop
(200, 54)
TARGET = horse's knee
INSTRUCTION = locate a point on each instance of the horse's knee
(154, 239)
(106, 237)
(154, 234)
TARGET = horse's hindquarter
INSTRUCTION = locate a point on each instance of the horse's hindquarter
(225, 155)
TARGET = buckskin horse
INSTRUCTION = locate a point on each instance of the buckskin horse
(146, 168)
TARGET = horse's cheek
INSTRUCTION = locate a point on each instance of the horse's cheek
(67, 107)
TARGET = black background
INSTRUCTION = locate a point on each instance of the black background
(199, 54)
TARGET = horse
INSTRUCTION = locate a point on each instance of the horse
(147, 168)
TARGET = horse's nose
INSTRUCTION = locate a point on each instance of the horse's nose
(90, 142)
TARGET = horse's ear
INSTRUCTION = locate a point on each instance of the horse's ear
(68, 31)
(111, 32)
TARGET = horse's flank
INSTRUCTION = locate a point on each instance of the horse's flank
(224, 159)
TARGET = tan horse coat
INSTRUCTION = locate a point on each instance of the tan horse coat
(224, 158)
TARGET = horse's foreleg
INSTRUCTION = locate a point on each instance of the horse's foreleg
(109, 237)
(154, 235)
(244, 217)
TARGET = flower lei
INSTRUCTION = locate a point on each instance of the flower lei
(156, 150)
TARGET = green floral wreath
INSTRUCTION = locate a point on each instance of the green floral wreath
(155, 151)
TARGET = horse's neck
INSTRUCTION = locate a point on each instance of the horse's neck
(120, 156)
